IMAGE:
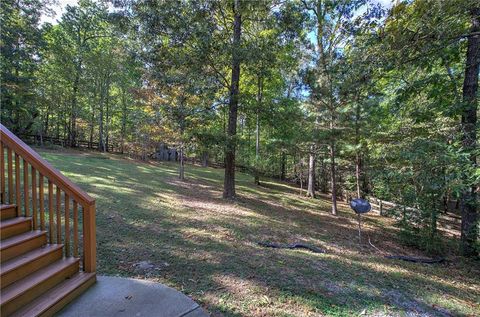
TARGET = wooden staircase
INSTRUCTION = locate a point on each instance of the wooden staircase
(41, 270)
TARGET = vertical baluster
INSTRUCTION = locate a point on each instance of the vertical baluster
(75, 229)
(58, 196)
(34, 198)
(17, 183)
(42, 202)
(67, 225)
(2, 172)
(10, 175)
(26, 197)
(50, 210)
(84, 230)
(89, 239)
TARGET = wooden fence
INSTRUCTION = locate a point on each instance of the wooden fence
(37, 139)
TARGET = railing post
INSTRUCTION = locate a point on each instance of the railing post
(89, 238)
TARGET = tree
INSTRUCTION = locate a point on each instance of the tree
(80, 27)
(229, 180)
(332, 25)
(175, 36)
(422, 66)
(470, 216)
(21, 42)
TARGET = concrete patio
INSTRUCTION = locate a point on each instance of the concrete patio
(115, 296)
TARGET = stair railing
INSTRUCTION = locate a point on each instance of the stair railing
(50, 209)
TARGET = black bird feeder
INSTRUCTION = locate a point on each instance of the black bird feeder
(360, 206)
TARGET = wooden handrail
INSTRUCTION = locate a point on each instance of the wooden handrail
(29, 157)
(42, 166)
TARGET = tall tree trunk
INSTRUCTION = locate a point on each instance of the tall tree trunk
(181, 174)
(311, 173)
(257, 149)
(100, 121)
(92, 124)
(283, 166)
(229, 181)
(73, 115)
(57, 127)
(205, 159)
(65, 125)
(46, 122)
(124, 121)
(334, 178)
(107, 116)
(257, 130)
(358, 158)
(182, 121)
(469, 234)
(358, 168)
(92, 118)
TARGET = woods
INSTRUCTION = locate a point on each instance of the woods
(343, 98)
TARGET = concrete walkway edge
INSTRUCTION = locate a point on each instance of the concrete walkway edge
(116, 296)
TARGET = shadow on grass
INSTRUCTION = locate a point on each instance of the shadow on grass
(207, 247)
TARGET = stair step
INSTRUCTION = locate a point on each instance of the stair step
(22, 243)
(56, 298)
(32, 286)
(7, 211)
(14, 226)
(25, 264)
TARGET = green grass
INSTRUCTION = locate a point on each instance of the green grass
(207, 247)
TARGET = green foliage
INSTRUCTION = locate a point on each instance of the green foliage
(374, 95)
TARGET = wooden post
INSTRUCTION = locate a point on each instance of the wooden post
(58, 197)
(89, 239)
(67, 225)
(75, 229)
(381, 208)
(18, 200)
(10, 175)
(34, 198)
(42, 203)
(50, 211)
(26, 198)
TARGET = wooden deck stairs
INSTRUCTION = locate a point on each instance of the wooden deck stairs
(43, 263)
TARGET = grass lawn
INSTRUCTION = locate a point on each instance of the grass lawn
(207, 247)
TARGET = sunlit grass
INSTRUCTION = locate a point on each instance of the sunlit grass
(207, 247)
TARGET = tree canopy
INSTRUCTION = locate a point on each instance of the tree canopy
(347, 97)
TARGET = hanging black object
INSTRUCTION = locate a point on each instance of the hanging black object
(360, 206)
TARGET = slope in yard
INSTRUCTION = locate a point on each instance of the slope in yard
(183, 234)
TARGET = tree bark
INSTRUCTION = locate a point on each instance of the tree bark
(311, 173)
(257, 130)
(46, 126)
(100, 121)
(124, 121)
(283, 166)
(181, 174)
(358, 158)
(107, 116)
(257, 150)
(358, 168)
(470, 216)
(334, 178)
(73, 114)
(92, 123)
(205, 159)
(229, 180)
